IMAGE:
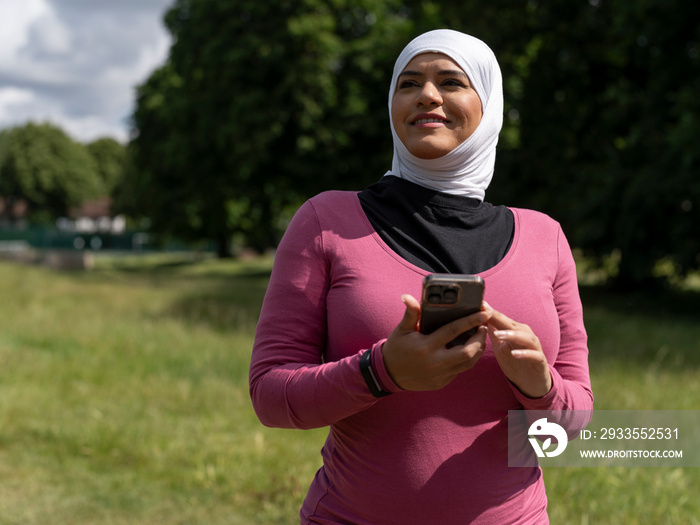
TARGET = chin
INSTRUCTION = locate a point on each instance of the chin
(429, 153)
(430, 149)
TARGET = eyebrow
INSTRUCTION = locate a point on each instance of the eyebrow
(444, 72)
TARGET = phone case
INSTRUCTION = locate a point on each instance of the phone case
(447, 297)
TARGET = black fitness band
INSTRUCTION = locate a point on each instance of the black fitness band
(370, 378)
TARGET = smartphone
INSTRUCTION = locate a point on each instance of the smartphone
(447, 297)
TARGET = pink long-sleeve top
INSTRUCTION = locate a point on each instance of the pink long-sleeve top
(411, 457)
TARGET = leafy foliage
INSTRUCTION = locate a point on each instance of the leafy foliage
(606, 118)
(111, 161)
(41, 164)
(261, 106)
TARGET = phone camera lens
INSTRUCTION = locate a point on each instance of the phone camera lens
(450, 296)
(434, 298)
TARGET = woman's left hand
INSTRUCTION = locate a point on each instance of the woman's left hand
(519, 354)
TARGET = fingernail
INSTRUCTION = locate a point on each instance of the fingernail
(502, 333)
(516, 353)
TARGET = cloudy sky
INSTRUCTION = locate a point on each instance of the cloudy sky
(76, 63)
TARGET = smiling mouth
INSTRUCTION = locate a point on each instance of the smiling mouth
(429, 121)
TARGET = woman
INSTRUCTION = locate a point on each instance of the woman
(418, 431)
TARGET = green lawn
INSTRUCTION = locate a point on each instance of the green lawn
(124, 400)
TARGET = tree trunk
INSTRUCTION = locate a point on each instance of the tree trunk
(223, 246)
(635, 273)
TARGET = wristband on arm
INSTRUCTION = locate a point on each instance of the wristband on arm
(370, 377)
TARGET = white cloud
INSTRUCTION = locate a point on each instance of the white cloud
(17, 16)
(76, 63)
(48, 36)
(11, 99)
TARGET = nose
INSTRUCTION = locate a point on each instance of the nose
(429, 94)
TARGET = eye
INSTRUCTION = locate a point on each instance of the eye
(407, 84)
(454, 83)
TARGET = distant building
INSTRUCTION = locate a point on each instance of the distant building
(93, 217)
(13, 211)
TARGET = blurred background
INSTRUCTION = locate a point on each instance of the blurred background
(209, 122)
(165, 145)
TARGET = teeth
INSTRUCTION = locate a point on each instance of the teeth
(428, 120)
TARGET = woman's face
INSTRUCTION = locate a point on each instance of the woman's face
(434, 108)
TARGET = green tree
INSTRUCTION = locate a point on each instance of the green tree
(41, 164)
(111, 161)
(258, 106)
(262, 105)
(606, 113)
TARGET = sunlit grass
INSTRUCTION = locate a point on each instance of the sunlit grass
(644, 355)
(124, 400)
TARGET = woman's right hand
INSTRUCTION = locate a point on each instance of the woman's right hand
(423, 362)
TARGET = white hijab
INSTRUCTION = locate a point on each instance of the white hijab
(468, 169)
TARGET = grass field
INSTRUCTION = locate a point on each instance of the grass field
(124, 400)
